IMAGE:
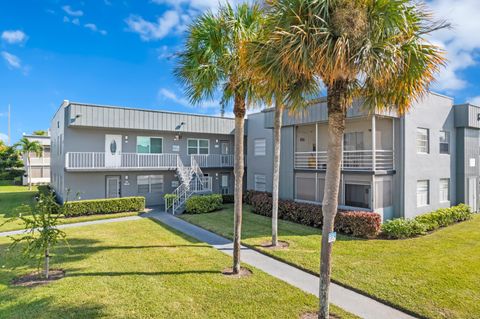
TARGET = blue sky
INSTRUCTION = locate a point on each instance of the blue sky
(118, 52)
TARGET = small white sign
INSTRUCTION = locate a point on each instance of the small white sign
(472, 162)
(217, 146)
(175, 148)
(332, 237)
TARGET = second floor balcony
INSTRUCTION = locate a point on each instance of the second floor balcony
(356, 160)
(97, 161)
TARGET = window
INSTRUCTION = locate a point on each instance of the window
(353, 141)
(357, 195)
(422, 140)
(198, 146)
(150, 184)
(260, 147)
(444, 189)
(423, 193)
(153, 145)
(444, 142)
(260, 182)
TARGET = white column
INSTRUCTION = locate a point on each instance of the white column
(374, 146)
(316, 145)
(393, 143)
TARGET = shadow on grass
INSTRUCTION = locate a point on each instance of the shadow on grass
(140, 273)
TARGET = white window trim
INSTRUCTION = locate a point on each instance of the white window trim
(449, 143)
(448, 190)
(428, 140)
(254, 147)
(198, 145)
(150, 182)
(136, 143)
(428, 193)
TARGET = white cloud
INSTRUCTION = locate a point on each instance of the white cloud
(13, 61)
(14, 36)
(474, 100)
(71, 12)
(461, 42)
(149, 31)
(165, 94)
(94, 28)
(75, 21)
(4, 137)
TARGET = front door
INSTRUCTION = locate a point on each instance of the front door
(225, 147)
(224, 184)
(472, 193)
(113, 186)
(113, 150)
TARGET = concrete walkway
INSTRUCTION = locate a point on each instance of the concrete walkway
(87, 223)
(346, 299)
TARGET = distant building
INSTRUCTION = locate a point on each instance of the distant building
(39, 165)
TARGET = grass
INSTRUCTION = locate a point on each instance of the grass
(141, 269)
(436, 276)
(13, 197)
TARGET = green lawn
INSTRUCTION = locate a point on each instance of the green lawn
(141, 269)
(13, 197)
(436, 276)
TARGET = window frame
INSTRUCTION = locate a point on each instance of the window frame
(440, 190)
(198, 146)
(255, 182)
(427, 140)
(264, 153)
(428, 193)
(447, 138)
(149, 183)
(150, 144)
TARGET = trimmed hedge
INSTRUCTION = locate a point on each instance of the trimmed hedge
(405, 228)
(104, 206)
(203, 204)
(356, 223)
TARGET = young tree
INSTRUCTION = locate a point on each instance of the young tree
(28, 147)
(42, 232)
(376, 51)
(11, 165)
(214, 59)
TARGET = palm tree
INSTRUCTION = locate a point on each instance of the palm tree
(214, 59)
(374, 50)
(285, 89)
(27, 148)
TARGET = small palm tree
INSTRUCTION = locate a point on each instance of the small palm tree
(214, 59)
(375, 50)
(27, 148)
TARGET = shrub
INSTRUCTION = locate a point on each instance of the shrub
(445, 217)
(403, 228)
(44, 189)
(228, 199)
(104, 206)
(203, 204)
(361, 224)
(248, 196)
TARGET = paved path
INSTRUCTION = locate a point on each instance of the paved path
(346, 299)
(92, 222)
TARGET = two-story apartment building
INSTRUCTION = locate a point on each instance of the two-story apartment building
(103, 151)
(394, 165)
(39, 164)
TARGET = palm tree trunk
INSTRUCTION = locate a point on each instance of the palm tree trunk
(29, 171)
(336, 127)
(277, 133)
(47, 261)
(239, 111)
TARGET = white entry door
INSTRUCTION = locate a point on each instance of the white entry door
(113, 150)
(113, 186)
(472, 193)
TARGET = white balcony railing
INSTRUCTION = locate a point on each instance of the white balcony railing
(213, 160)
(100, 160)
(40, 161)
(359, 160)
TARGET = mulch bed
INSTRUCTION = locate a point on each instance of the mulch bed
(314, 315)
(244, 272)
(281, 245)
(37, 278)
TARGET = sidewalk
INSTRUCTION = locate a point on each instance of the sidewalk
(346, 299)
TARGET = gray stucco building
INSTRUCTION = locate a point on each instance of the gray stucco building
(398, 166)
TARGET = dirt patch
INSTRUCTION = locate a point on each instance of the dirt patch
(37, 278)
(281, 245)
(244, 272)
(314, 315)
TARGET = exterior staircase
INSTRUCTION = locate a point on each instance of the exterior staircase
(192, 182)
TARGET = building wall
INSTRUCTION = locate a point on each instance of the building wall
(468, 157)
(435, 113)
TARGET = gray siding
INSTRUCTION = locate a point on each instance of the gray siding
(468, 151)
(83, 115)
(467, 115)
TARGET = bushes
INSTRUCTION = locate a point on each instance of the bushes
(104, 206)
(228, 199)
(204, 204)
(405, 228)
(361, 224)
(44, 189)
